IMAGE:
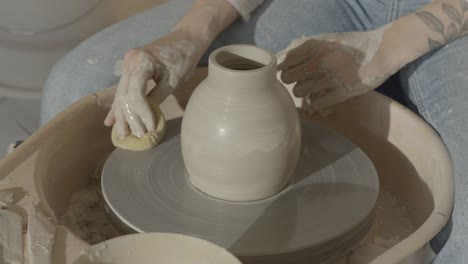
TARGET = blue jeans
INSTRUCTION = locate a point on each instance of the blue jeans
(435, 85)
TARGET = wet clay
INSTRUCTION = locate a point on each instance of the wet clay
(148, 140)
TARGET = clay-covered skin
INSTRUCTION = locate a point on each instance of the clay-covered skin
(166, 63)
(148, 140)
(330, 68)
(241, 133)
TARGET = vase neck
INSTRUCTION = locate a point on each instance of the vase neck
(242, 66)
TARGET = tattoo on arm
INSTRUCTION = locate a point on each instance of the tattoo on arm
(457, 27)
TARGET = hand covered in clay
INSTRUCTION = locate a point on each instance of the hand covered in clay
(331, 68)
(163, 65)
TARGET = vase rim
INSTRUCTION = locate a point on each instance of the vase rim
(265, 57)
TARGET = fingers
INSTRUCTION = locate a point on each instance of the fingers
(137, 84)
(150, 87)
(122, 88)
(140, 117)
(321, 94)
(163, 88)
(123, 114)
(110, 118)
(281, 56)
(312, 87)
(136, 124)
(120, 123)
(115, 116)
(301, 54)
(130, 112)
(148, 118)
(325, 100)
(304, 66)
(308, 70)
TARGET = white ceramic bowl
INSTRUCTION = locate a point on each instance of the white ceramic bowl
(161, 248)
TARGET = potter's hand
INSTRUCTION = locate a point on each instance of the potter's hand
(167, 62)
(332, 68)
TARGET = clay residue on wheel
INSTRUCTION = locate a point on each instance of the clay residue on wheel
(86, 215)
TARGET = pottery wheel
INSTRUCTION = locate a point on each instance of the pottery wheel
(327, 207)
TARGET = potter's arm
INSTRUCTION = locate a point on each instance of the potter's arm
(168, 61)
(431, 27)
(331, 68)
(206, 19)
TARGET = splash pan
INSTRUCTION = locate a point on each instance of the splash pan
(57, 160)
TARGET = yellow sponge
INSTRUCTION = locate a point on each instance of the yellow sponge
(147, 141)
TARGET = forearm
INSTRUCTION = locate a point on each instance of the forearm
(434, 25)
(206, 19)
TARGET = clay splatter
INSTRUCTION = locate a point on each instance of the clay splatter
(86, 216)
(391, 225)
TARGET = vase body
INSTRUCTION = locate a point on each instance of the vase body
(241, 133)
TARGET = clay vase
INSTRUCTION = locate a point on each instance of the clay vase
(241, 133)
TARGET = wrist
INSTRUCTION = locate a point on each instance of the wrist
(400, 44)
